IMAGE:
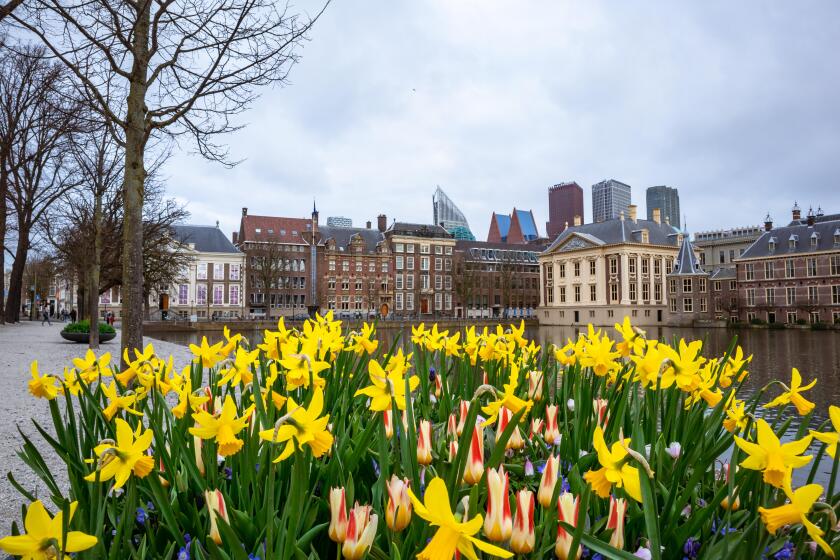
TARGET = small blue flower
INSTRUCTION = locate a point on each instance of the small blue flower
(432, 374)
(564, 485)
(141, 516)
(228, 473)
(183, 554)
(785, 553)
(375, 467)
(691, 548)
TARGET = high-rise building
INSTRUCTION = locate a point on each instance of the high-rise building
(339, 221)
(449, 217)
(610, 199)
(565, 201)
(667, 199)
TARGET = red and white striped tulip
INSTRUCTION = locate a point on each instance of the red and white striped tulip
(498, 524)
(388, 420)
(217, 509)
(549, 479)
(567, 511)
(398, 513)
(198, 445)
(515, 441)
(522, 539)
(464, 408)
(552, 432)
(452, 426)
(338, 515)
(361, 530)
(602, 413)
(535, 385)
(475, 460)
(453, 450)
(424, 443)
(618, 509)
(537, 425)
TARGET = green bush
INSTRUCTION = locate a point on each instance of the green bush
(84, 326)
(757, 321)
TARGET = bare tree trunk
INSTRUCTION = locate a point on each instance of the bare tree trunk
(135, 176)
(81, 296)
(16, 278)
(4, 185)
(6, 9)
(93, 286)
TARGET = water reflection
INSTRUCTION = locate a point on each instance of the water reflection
(775, 352)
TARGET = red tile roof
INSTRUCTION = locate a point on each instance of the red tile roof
(273, 228)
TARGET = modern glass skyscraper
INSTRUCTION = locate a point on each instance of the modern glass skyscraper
(667, 199)
(447, 215)
(609, 199)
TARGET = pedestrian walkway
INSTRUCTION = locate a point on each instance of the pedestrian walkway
(19, 345)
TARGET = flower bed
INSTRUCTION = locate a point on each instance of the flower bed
(321, 443)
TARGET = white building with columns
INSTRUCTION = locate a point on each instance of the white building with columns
(600, 273)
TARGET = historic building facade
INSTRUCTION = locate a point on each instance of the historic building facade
(791, 274)
(423, 268)
(212, 286)
(720, 248)
(688, 288)
(496, 280)
(601, 272)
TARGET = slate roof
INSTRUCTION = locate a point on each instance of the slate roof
(687, 263)
(419, 230)
(273, 228)
(723, 274)
(206, 239)
(826, 233)
(620, 231)
(818, 218)
(343, 236)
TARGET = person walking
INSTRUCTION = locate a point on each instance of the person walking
(73, 315)
(45, 316)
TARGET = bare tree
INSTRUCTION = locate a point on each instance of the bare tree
(8, 7)
(467, 280)
(181, 68)
(37, 171)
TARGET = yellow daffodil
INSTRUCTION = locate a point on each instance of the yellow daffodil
(223, 427)
(187, 400)
(127, 456)
(599, 355)
(364, 343)
(614, 469)
(775, 459)
(90, 368)
(507, 399)
(633, 339)
(304, 426)
(684, 364)
(830, 438)
(451, 535)
(240, 370)
(648, 359)
(736, 417)
(387, 387)
(565, 356)
(72, 382)
(733, 366)
(794, 395)
(801, 501)
(142, 361)
(125, 401)
(419, 334)
(231, 341)
(705, 389)
(451, 346)
(44, 535)
(205, 354)
(302, 365)
(42, 386)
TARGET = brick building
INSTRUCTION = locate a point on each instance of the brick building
(791, 273)
(423, 268)
(516, 228)
(496, 279)
(688, 288)
(565, 203)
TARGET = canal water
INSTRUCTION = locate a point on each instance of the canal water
(775, 352)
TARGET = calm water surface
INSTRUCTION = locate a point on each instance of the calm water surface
(775, 352)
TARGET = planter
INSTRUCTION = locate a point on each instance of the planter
(85, 337)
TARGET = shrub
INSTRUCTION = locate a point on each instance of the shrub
(758, 321)
(84, 327)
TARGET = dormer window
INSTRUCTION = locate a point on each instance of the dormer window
(837, 237)
(815, 239)
(794, 239)
(645, 236)
(771, 244)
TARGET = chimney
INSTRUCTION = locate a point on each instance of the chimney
(811, 216)
(217, 224)
(382, 222)
(566, 226)
(244, 211)
(768, 222)
(368, 224)
(631, 212)
(234, 237)
(797, 214)
(577, 219)
(657, 215)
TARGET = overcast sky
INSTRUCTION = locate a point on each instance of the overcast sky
(734, 103)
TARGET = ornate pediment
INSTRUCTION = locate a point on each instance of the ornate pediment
(575, 243)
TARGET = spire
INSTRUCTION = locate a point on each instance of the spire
(314, 209)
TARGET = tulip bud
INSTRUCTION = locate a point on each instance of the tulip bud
(602, 414)
(217, 509)
(618, 508)
(338, 515)
(735, 504)
(498, 525)
(548, 481)
(464, 407)
(453, 450)
(424, 443)
(529, 468)
(552, 432)
(361, 530)
(475, 461)
(452, 426)
(522, 539)
(388, 420)
(567, 511)
(198, 445)
(536, 427)
(438, 386)
(535, 385)
(515, 441)
(398, 513)
(674, 450)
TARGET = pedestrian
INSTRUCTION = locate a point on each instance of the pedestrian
(45, 316)
(73, 315)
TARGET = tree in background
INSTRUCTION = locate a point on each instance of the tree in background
(165, 68)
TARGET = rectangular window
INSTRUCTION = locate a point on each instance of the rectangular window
(592, 292)
(424, 263)
(835, 265)
(358, 266)
(657, 292)
(332, 265)
(345, 266)
(409, 263)
(672, 286)
(577, 269)
(717, 285)
(645, 266)
(789, 268)
(550, 295)
(613, 266)
(218, 294)
(201, 294)
(770, 296)
(409, 281)
(218, 271)
(631, 265)
(385, 267)
(424, 281)
(613, 292)
(399, 248)
(577, 293)
(438, 249)
(438, 264)
(592, 268)
(398, 299)
(813, 296)
(657, 267)
(835, 295)
(447, 265)
(399, 262)
(233, 294)
(358, 285)
(751, 297)
(409, 248)
(791, 317)
(645, 292)
(409, 301)
(562, 270)
(183, 294)
(688, 305)
(448, 250)
(447, 299)
(424, 249)
(749, 271)
(687, 285)
(399, 282)
(438, 282)
(702, 283)
(372, 266)
(438, 302)
(448, 283)
(562, 294)
(703, 305)
(790, 296)
(733, 285)
(673, 305)
(632, 292)
(768, 270)
(811, 266)
(201, 271)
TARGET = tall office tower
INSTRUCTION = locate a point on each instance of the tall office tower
(565, 202)
(447, 215)
(667, 199)
(610, 198)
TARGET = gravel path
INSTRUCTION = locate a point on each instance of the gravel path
(19, 345)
